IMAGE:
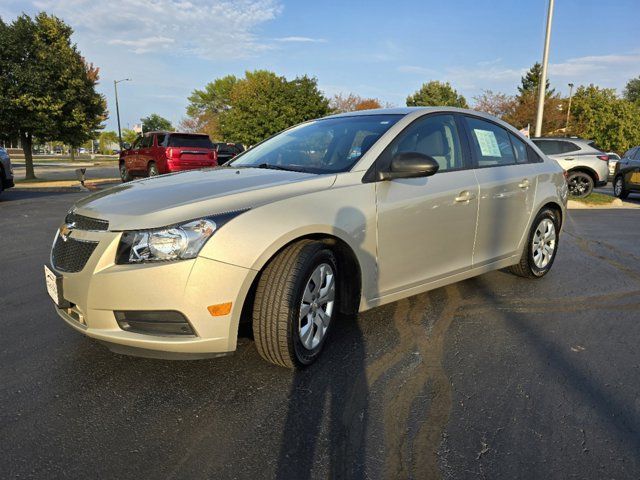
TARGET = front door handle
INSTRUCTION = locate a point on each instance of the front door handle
(568, 158)
(524, 184)
(464, 196)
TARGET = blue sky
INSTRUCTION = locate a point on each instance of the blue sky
(383, 49)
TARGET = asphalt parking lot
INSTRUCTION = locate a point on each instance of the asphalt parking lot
(495, 377)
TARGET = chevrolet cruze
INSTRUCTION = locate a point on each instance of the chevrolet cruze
(336, 215)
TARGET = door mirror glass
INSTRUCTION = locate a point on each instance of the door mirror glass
(410, 165)
(126, 146)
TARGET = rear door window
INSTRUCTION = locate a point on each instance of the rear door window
(566, 147)
(548, 147)
(490, 143)
(193, 141)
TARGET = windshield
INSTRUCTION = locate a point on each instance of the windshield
(328, 145)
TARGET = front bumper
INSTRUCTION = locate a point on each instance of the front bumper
(187, 286)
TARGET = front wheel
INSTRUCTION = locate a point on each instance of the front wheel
(295, 303)
(619, 189)
(541, 246)
(580, 184)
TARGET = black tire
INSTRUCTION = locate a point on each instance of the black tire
(278, 299)
(125, 175)
(152, 170)
(619, 187)
(527, 267)
(580, 184)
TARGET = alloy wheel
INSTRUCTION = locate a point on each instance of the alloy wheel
(317, 306)
(544, 243)
(579, 185)
(618, 186)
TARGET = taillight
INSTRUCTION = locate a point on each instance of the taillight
(566, 174)
(213, 155)
(169, 152)
(604, 158)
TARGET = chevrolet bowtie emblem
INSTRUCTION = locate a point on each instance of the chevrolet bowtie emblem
(65, 231)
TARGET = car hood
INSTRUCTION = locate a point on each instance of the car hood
(174, 198)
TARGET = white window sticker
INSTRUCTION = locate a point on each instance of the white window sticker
(488, 143)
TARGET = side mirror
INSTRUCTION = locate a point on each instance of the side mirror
(126, 146)
(410, 165)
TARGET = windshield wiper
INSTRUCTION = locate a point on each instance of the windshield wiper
(279, 167)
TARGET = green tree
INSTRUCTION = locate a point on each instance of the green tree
(599, 114)
(106, 140)
(129, 136)
(47, 90)
(632, 90)
(85, 109)
(529, 84)
(155, 122)
(436, 94)
(205, 106)
(264, 103)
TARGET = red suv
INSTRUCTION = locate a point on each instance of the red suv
(156, 153)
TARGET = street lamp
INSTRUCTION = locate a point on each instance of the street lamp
(543, 74)
(566, 127)
(115, 87)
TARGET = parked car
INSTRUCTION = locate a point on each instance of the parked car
(614, 158)
(156, 153)
(287, 239)
(587, 166)
(6, 171)
(627, 174)
(227, 151)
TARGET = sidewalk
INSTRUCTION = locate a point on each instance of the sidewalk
(66, 185)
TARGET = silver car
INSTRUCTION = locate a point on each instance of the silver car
(332, 216)
(614, 158)
(6, 171)
(587, 166)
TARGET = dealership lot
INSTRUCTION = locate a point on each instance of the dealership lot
(494, 377)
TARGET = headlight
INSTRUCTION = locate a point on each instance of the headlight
(179, 242)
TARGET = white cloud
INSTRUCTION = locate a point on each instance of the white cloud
(593, 64)
(143, 45)
(221, 29)
(416, 69)
(294, 39)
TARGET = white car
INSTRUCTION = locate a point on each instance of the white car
(300, 228)
(587, 166)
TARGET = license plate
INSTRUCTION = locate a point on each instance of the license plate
(54, 287)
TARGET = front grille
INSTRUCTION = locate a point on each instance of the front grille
(86, 223)
(71, 255)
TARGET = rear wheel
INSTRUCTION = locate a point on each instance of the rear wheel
(295, 303)
(619, 188)
(124, 173)
(152, 171)
(541, 246)
(580, 184)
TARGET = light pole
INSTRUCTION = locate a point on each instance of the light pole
(566, 127)
(115, 87)
(543, 74)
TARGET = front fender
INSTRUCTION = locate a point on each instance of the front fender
(254, 237)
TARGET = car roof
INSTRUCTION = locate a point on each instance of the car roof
(568, 139)
(165, 132)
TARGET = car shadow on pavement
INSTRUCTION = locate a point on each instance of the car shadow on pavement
(17, 195)
(622, 417)
(332, 390)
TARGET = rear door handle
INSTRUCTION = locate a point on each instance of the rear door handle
(569, 158)
(464, 196)
(524, 184)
